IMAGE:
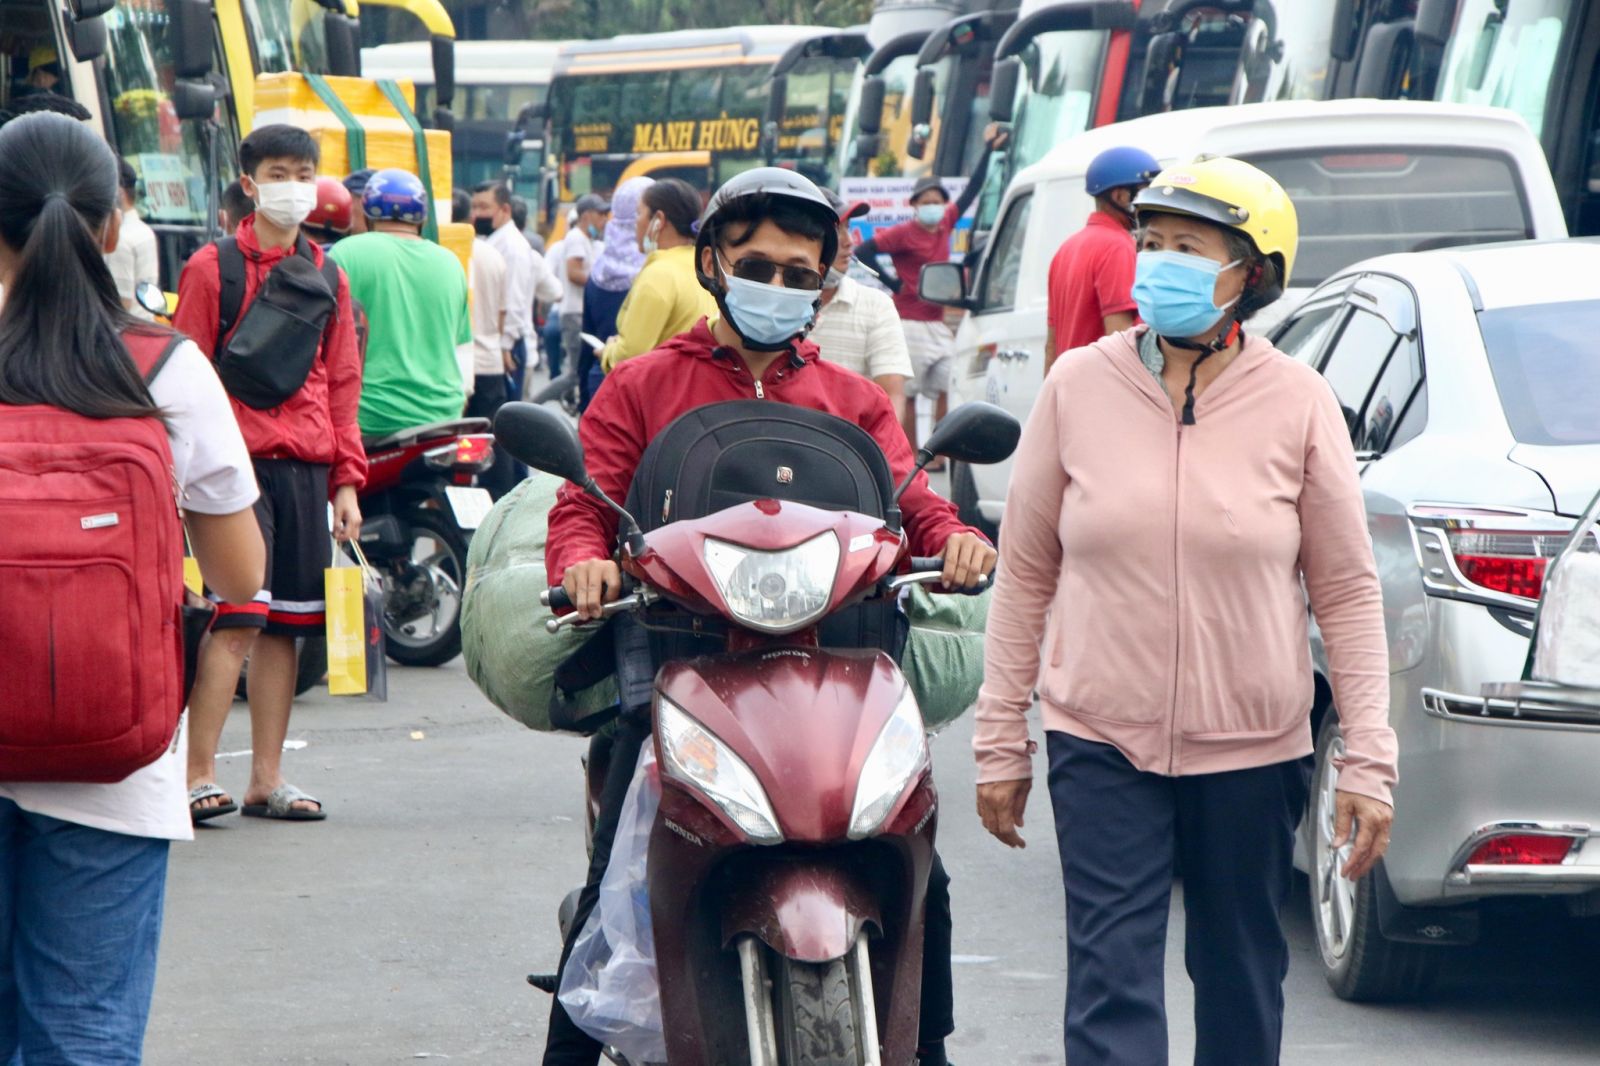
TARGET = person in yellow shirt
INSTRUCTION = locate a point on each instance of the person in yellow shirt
(666, 298)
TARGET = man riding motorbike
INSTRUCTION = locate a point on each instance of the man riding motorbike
(765, 240)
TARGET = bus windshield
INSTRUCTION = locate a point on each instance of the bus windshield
(1061, 73)
(288, 35)
(813, 120)
(1504, 55)
(166, 153)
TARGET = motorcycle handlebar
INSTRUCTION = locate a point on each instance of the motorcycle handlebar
(556, 599)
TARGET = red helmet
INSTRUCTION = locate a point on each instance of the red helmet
(334, 206)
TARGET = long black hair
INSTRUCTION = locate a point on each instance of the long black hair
(678, 203)
(60, 331)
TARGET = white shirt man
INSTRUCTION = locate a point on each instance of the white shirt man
(136, 258)
(527, 275)
(482, 358)
(858, 327)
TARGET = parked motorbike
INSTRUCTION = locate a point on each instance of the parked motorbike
(420, 506)
(789, 859)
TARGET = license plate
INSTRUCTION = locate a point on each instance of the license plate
(470, 506)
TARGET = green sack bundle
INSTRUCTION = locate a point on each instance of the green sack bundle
(509, 655)
(943, 660)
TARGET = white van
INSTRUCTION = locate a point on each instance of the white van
(1367, 177)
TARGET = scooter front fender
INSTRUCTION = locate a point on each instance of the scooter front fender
(811, 909)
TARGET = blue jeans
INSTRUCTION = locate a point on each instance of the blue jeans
(80, 921)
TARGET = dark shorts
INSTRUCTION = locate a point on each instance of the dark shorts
(293, 515)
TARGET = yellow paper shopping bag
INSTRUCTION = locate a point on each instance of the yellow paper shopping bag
(356, 662)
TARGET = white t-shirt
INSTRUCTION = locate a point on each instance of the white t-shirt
(213, 469)
(576, 248)
(136, 259)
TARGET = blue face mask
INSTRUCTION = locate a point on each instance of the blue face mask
(766, 317)
(1176, 292)
(593, 231)
(930, 214)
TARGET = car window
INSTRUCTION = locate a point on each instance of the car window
(1545, 369)
(1354, 364)
(1303, 335)
(1005, 258)
(1357, 203)
(1381, 425)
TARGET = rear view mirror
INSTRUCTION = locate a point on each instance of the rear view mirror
(87, 38)
(1434, 21)
(943, 283)
(1003, 89)
(977, 433)
(189, 31)
(1165, 51)
(84, 10)
(542, 439)
(1345, 42)
(869, 118)
(772, 123)
(193, 100)
(921, 114)
(1385, 60)
(344, 45)
(148, 295)
(444, 71)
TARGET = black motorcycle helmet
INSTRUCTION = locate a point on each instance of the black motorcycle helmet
(749, 198)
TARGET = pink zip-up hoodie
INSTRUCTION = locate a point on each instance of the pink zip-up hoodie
(1163, 565)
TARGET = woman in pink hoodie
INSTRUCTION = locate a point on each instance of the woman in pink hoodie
(1180, 490)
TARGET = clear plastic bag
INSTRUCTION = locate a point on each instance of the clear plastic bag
(609, 986)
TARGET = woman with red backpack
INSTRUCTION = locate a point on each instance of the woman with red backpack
(108, 427)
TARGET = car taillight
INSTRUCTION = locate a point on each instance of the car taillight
(1512, 563)
(1487, 555)
(1522, 849)
(474, 453)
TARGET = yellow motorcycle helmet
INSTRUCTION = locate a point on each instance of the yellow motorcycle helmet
(1238, 196)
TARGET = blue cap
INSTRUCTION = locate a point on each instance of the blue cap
(1116, 168)
(396, 196)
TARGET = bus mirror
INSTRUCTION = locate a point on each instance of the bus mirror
(190, 40)
(1164, 53)
(84, 10)
(1003, 89)
(922, 98)
(444, 72)
(344, 45)
(444, 119)
(1346, 40)
(870, 119)
(193, 100)
(772, 123)
(87, 38)
(1384, 60)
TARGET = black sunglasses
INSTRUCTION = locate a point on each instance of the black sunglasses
(762, 271)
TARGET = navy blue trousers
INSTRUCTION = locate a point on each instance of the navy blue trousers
(1120, 831)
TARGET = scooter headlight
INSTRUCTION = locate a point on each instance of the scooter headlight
(898, 755)
(775, 592)
(693, 755)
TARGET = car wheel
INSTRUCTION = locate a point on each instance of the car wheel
(964, 494)
(1359, 962)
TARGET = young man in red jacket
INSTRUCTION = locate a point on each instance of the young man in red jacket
(306, 450)
(765, 242)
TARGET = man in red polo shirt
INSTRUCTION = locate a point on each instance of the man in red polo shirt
(1091, 276)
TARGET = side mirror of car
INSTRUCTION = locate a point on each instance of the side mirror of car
(944, 283)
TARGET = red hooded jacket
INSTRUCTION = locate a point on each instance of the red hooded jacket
(643, 395)
(318, 423)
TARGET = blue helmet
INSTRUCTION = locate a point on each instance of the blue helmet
(395, 196)
(1116, 168)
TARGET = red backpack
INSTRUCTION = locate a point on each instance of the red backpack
(91, 589)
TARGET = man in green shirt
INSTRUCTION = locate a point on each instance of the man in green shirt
(415, 295)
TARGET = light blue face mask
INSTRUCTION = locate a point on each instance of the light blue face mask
(766, 317)
(930, 214)
(1176, 292)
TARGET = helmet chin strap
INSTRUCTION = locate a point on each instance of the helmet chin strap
(1206, 349)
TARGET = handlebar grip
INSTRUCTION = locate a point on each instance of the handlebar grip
(556, 599)
(919, 564)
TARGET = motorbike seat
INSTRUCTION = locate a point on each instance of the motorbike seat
(455, 427)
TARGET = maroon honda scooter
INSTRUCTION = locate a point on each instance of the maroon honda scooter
(789, 860)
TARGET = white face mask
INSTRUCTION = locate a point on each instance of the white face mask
(648, 246)
(286, 203)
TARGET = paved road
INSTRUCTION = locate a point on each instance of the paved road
(401, 928)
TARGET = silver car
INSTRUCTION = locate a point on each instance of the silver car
(1470, 378)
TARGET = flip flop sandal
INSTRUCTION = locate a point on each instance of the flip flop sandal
(280, 806)
(205, 792)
